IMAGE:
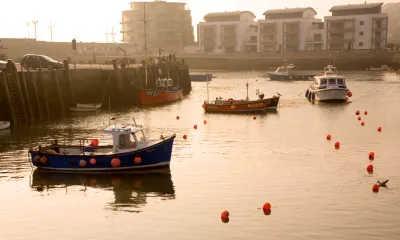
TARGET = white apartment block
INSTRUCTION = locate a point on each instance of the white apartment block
(228, 32)
(356, 26)
(289, 29)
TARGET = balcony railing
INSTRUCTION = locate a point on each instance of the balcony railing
(251, 42)
(340, 40)
(268, 40)
(379, 39)
(314, 40)
(341, 29)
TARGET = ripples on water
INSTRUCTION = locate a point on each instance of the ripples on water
(233, 162)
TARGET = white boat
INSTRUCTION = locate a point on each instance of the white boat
(328, 86)
(382, 68)
(85, 107)
(4, 125)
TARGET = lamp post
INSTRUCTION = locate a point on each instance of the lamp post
(127, 62)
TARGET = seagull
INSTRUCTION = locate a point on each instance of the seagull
(382, 184)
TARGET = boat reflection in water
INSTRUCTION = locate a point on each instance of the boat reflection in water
(131, 189)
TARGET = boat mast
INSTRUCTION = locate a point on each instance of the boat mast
(208, 95)
(145, 41)
(247, 86)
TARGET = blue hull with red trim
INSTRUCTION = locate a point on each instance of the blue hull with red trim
(152, 156)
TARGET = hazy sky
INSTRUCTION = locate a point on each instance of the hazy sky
(89, 19)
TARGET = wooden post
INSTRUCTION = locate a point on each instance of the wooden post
(21, 96)
(60, 97)
(32, 116)
(34, 78)
(44, 91)
(3, 82)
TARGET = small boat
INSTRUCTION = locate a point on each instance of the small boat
(130, 150)
(201, 77)
(4, 125)
(328, 86)
(85, 107)
(382, 68)
(165, 92)
(242, 106)
(285, 72)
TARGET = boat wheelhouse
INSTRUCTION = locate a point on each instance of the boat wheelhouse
(286, 72)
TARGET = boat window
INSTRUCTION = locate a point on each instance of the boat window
(323, 81)
(340, 81)
(332, 81)
(281, 70)
(126, 141)
(140, 137)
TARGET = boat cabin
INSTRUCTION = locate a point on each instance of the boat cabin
(126, 138)
(164, 83)
(329, 82)
(285, 69)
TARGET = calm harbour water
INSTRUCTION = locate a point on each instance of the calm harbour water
(232, 163)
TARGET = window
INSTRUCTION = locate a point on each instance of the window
(126, 141)
(361, 23)
(361, 44)
(340, 81)
(332, 81)
(140, 137)
(323, 81)
(361, 33)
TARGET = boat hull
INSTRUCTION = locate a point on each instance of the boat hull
(269, 104)
(273, 76)
(153, 156)
(201, 77)
(326, 95)
(156, 97)
(4, 125)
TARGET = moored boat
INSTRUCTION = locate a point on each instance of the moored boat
(242, 106)
(285, 72)
(200, 77)
(85, 107)
(130, 150)
(4, 125)
(328, 86)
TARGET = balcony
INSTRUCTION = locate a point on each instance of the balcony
(313, 40)
(229, 42)
(379, 39)
(292, 31)
(291, 40)
(340, 40)
(268, 40)
(340, 29)
(380, 27)
(229, 32)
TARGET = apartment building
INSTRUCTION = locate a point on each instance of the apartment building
(169, 26)
(288, 30)
(228, 32)
(356, 26)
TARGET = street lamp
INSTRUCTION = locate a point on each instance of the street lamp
(124, 54)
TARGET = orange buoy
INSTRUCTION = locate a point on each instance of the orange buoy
(184, 136)
(138, 160)
(254, 117)
(95, 143)
(358, 112)
(36, 159)
(379, 129)
(195, 126)
(43, 160)
(225, 214)
(205, 121)
(365, 113)
(233, 107)
(82, 163)
(346, 99)
(177, 117)
(225, 219)
(267, 206)
(328, 137)
(93, 181)
(93, 161)
(337, 145)
(359, 118)
(349, 94)
(370, 168)
(375, 188)
(115, 162)
(371, 156)
(362, 123)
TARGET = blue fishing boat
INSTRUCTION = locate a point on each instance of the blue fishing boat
(130, 150)
(285, 72)
(200, 77)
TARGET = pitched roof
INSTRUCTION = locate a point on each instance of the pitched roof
(287, 10)
(355, 6)
(227, 14)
